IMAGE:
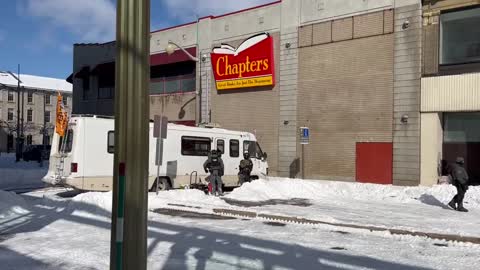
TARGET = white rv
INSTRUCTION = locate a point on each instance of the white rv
(85, 159)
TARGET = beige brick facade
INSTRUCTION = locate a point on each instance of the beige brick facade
(345, 93)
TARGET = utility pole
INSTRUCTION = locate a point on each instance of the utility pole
(18, 148)
(130, 194)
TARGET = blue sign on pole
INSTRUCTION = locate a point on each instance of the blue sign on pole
(304, 135)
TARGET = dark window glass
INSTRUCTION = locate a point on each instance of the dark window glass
(47, 116)
(234, 148)
(30, 97)
(221, 146)
(462, 127)
(195, 146)
(460, 37)
(29, 116)
(157, 87)
(10, 96)
(29, 139)
(67, 146)
(253, 149)
(111, 142)
(188, 85)
(10, 114)
(47, 99)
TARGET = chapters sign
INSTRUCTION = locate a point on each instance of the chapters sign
(249, 65)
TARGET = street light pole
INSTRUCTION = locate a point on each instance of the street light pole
(130, 193)
(170, 49)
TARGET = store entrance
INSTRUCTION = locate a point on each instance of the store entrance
(461, 138)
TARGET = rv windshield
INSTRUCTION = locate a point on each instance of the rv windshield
(253, 149)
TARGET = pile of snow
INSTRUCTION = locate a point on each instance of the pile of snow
(20, 175)
(94, 203)
(281, 188)
(11, 205)
(100, 203)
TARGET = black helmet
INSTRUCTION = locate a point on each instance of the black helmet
(460, 160)
(246, 155)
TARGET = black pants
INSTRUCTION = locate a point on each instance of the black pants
(461, 190)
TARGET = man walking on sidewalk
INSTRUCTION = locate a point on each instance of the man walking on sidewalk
(460, 181)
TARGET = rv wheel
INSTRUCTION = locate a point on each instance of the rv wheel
(163, 184)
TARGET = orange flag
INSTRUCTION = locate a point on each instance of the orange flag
(62, 117)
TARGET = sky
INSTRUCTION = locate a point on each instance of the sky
(39, 34)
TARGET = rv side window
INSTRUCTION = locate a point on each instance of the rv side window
(111, 142)
(65, 142)
(253, 149)
(234, 148)
(195, 146)
(221, 146)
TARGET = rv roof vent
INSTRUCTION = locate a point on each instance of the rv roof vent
(209, 125)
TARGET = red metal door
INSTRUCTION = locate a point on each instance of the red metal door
(374, 162)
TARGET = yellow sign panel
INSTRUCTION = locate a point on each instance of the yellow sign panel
(245, 82)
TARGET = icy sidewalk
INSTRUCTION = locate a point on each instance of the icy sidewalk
(61, 232)
(415, 209)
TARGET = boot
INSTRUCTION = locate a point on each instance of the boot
(461, 208)
(452, 204)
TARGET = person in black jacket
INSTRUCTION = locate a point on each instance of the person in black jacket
(214, 165)
(460, 181)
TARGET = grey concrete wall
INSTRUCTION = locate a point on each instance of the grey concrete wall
(407, 75)
(288, 81)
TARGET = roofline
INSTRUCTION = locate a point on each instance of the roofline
(219, 16)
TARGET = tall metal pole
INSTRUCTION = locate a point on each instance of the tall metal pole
(130, 194)
(198, 99)
(18, 150)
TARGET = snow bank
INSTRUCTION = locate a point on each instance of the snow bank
(94, 203)
(281, 188)
(11, 205)
(22, 174)
(100, 203)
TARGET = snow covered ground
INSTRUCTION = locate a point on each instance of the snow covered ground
(50, 229)
(22, 175)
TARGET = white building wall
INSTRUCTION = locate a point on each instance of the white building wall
(431, 148)
(451, 93)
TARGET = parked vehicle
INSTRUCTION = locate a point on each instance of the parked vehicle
(34, 152)
(85, 159)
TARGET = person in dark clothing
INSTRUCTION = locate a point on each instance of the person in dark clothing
(460, 181)
(245, 168)
(214, 165)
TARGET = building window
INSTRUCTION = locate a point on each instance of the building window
(30, 98)
(47, 140)
(10, 114)
(29, 115)
(195, 146)
(172, 85)
(48, 99)
(29, 139)
(106, 85)
(10, 96)
(234, 148)
(460, 37)
(47, 117)
(65, 101)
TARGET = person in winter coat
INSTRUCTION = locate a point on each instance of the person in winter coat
(245, 168)
(460, 181)
(214, 165)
